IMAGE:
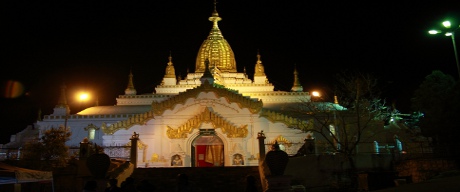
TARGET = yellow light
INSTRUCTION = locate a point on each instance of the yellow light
(83, 96)
(315, 94)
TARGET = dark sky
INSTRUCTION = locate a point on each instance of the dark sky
(93, 45)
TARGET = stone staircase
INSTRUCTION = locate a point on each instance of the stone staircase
(203, 179)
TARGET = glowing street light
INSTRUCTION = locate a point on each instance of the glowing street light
(316, 94)
(83, 96)
(450, 32)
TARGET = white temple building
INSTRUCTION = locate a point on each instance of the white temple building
(209, 118)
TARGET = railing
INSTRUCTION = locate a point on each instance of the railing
(114, 152)
(9, 153)
(415, 150)
(118, 152)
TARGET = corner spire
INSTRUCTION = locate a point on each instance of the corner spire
(62, 97)
(296, 87)
(62, 108)
(170, 71)
(130, 90)
(259, 69)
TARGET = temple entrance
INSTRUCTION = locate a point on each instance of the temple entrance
(207, 150)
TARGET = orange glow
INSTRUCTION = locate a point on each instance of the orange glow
(13, 89)
(83, 96)
(315, 94)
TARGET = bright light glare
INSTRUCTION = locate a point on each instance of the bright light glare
(316, 94)
(449, 34)
(446, 24)
(83, 96)
(434, 32)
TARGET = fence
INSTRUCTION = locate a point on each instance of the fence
(405, 150)
(114, 152)
(414, 150)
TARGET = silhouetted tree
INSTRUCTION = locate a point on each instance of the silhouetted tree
(51, 147)
(438, 98)
(356, 116)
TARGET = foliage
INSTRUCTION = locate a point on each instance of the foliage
(438, 99)
(51, 147)
(32, 150)
(357, 116)
(432, 99)
(345, 125)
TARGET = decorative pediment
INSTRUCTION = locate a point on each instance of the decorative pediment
(273, 116)
(207, 116)
(91, 126)
(232, 96)
(281, 139)
(137, 119)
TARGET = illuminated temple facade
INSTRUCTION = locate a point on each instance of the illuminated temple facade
(209, 118)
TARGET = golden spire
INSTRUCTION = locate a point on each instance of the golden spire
(62, 103)
(39, 117)
(130, 90)
(214, 13)
(215, 18)
(170, 59)
(170, 71)
(216, 49)
(62, 98)
(259, 68)
(296, 87)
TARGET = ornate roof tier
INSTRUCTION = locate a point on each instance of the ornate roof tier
(253, 105)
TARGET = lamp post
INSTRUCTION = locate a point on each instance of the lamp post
(450, 32)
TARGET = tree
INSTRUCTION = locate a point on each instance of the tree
(438, 98)
(357, 115)
(51, 147)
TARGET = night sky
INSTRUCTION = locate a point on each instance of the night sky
(92, 46)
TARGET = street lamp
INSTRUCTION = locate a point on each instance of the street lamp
(316, 94)
(82, 97)
(450, 32)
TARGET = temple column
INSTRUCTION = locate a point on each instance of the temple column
(261, 137)
(133, 153)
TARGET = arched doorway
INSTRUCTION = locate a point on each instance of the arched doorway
(207, 150)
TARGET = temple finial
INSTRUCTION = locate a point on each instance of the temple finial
(130, 90)
(62, 108)
(215, 16)
(296, 87)
(214, 13)
(259, 68)
(258, 56)
(170, 59)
